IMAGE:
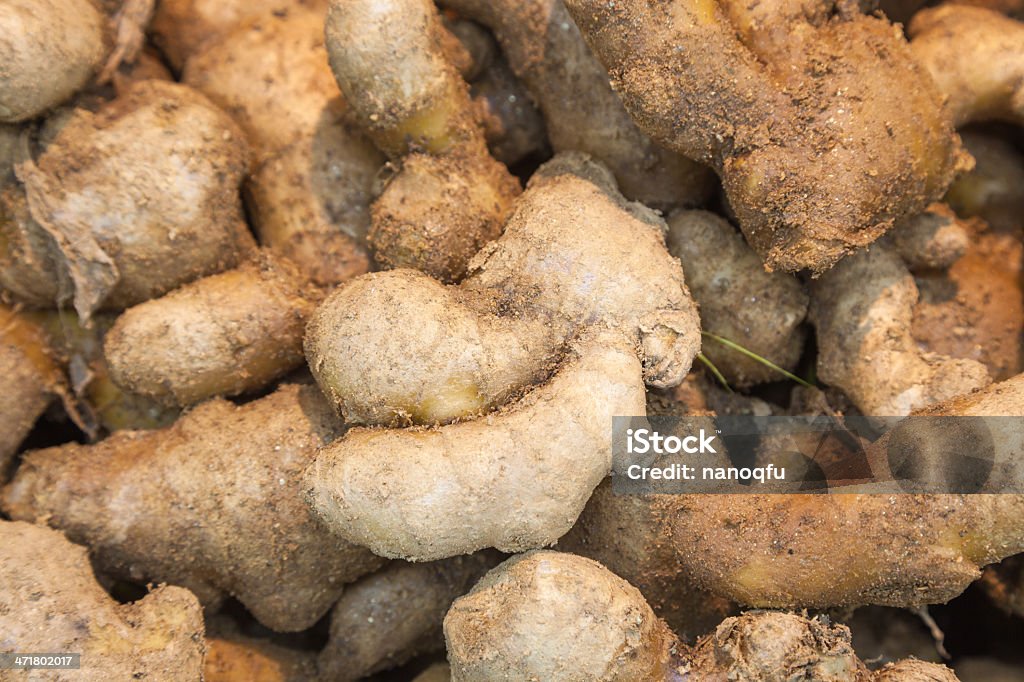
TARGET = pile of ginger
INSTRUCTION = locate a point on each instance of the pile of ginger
(315, 317)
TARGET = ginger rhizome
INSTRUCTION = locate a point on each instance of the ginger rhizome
(821, 125)
(553, 616)
(761, 311)
(574, 254)
(187, 505)
(50, 601)
(449, 196)
(556, 294)
(582, 112)
(222, 335)
(139, 198)
(312, 182)
(974, 56)
(395, 614)
(862, 310)
(50, 49)
(483, 483)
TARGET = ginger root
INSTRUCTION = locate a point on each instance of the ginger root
(50, 602)
(181, 27)
(450, 197)
(394, 615)
(141, 197)
(821, 125)
(933, 239)
(222, 335)
(574, 254)
(974, 55)
(50, 50)
(582, 112)
(433, 492)
(862, 310)
(761, 311)
(310, 190)
(553, 616)
(187, 505)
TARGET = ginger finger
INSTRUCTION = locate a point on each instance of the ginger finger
(450, 197)
(982, 77)
(823, 129)
(581, 110)
(50, 601)
(186, 505)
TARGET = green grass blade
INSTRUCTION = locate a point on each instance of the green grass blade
(714, 370)
(754, 356)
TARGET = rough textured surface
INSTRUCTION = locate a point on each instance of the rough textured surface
(1004, 583)
(27, 258)
(284, 54)
(49, 49)
(862, 310)
(767, 646)
(776, 646)
(994, 190)
(394, 615)
(50, 602)
(187, 504)
(573, 254)
(389, 59)
(822, 127)
(626, 534)
(582, 112)
(817, 551)
(181, 27)
(739, 301)
(311, 201)
(975, 310)
(553, 616)
(982, 77)
(935, 238)
(515, 479)
(142, 196)
(222, 335)
(310, 190)
(834, 550)
(29, 380)
(439, 211)
(392, 64)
